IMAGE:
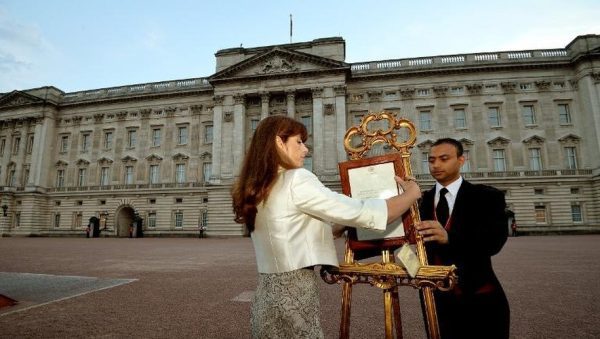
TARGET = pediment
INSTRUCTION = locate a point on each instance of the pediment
(128, 158)
(105, 161)
(425, 144)
(278, 61)
(498, 141)
(154, 157)
(572, 138)
(61, 163)
(466, 141)
(180, 156)
(535, 139)
(82, 162)
(206, 156)
(18, 98)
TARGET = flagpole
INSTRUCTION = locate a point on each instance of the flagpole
(290, 28)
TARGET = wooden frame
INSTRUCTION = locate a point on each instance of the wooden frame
(365, 243)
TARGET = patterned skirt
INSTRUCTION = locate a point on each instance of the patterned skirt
(286, 305)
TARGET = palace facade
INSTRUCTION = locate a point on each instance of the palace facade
(168, 152)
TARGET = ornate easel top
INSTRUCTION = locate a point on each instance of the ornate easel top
(387, 136)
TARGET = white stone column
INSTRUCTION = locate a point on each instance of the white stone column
(239, 132)
(291, 104)
(215, 176)
(340, 119)
(264, 97)
(318, 150)
(40, 157)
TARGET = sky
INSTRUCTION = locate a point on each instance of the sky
(77, 45)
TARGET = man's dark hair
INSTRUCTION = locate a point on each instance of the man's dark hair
(450, 141)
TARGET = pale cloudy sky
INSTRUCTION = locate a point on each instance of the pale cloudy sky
(87, 44)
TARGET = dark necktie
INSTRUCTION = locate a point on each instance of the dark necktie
(442, 211)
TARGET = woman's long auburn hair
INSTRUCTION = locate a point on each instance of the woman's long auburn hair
(261, 163)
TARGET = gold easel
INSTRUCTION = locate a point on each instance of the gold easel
(386, 274)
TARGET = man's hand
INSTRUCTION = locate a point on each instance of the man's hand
(432, 230)
(338, 230)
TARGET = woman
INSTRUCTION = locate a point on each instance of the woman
(288, 212)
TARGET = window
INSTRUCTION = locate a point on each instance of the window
(17, 221)
(57, 220)
(574, 190)
(308, 163)
(104, 176)
(528, 115)
(254, 124)
(457, 90)
(60, 178)
(64, 143)
(16, 144)
(425, 121)
(526, 86)
(494, 117)
(576, 215)
(154, 174)
(535, 159)
(206, 171)
(152, 220)
(2, 146)
(128, 175)
(179, 219)
(564, 116)
(131, 138)
(180, 173)
(571, 157)
(538, 191)
(77, 219)
(499, 160)
(108, 139)
(466, 167)
(204, 218)
(30, 144)
(423, 92)
(25, 176)
(85, 142)
(81, 177)
(540, 214)
(460, 118)
(425, 162)
(12, 179)
(208, 134)
(307, 121)
(156, 137)
(182, 135)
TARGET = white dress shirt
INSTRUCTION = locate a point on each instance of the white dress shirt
(451, 195)
(292, 229)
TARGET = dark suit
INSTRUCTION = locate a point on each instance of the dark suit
(477, 307)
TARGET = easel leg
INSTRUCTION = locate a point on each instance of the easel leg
(397, 315)
(433, 330)
(387, 306)
(346, 305)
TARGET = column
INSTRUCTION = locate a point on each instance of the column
(40, 155)
(340, 120)
(215, 176)
(239, 132)
(318, 164)
(291, 104)
(264, 97)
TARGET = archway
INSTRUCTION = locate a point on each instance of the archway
(125, 217)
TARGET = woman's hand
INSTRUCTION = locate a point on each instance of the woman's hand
(409, 186)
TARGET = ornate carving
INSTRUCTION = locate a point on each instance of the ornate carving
(170, 111)
(180, 157)
(407, 92)
(317, 92)
(596, 77)
(154, 158)
(475, 88)
(122, 115)
(543, 85)
(145, 112)
(218, 99)
(128, 159)
(440, 91)
(82, 163)
(77, 120)
(98, 117)
(389, 137)
(534, 140)
(196, 109)
(228, 116)
(574, 84)
(570, 139)
(278, 64)
(239, 99)
(374, 95)
(508, 87)
(499, 142)
(206, 156)
(104, 161)
(329, 109)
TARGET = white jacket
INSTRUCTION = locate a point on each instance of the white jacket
(292, 227)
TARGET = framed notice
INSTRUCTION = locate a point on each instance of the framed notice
(373, 177)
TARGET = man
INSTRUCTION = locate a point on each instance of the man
(464, 226)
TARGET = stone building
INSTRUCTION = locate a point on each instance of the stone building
(168, 152)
